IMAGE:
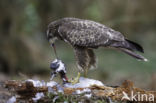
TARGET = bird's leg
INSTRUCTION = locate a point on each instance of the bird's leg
(78, 77)
(75, 80)
(53, 74)
(85, 72)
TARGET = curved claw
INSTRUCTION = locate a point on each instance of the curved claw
(75, 80)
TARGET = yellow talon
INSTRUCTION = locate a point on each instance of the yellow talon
(75, 80)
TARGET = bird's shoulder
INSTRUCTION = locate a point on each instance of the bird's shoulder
(91, 27)
(83, 24)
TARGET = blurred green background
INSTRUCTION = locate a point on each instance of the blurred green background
(26, 53)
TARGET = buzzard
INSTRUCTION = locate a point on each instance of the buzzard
(86, 35)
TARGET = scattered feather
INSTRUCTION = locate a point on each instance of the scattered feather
(84, 83)
(38, 96)
(12, 100)
(51, 84)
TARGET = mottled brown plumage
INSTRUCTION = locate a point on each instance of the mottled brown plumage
(86, 35)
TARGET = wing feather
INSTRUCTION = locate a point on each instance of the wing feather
(88, 33)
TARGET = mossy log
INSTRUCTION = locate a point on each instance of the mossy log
(26, 90)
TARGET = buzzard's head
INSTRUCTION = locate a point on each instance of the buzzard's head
(52, 31)
(51, 34)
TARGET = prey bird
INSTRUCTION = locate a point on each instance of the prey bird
(86, 35)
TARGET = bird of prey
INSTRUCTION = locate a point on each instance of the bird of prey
(86, 35)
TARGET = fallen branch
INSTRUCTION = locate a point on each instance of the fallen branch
(26, 90)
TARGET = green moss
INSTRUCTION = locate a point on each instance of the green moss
(60, 98)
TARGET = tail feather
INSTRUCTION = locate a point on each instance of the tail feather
(128, 45)
(134, 46)
(133, 54)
